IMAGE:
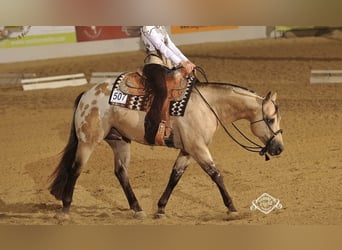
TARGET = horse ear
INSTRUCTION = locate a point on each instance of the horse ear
(271, 96)
(268, 96)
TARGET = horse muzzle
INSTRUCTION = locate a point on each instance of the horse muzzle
(275, 149)
(273, 146)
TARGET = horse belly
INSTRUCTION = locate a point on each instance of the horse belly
(129, 123)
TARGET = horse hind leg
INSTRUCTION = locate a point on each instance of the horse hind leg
(75, 156)
(121, 150)
(67, 174)
(83, 153)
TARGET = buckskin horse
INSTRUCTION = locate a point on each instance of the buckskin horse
(209, 105)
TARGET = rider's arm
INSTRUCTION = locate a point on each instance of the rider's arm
(175, 50)
(157, 40)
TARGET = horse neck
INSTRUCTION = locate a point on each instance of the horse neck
(232, 103)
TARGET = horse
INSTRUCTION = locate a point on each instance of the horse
(210, 104)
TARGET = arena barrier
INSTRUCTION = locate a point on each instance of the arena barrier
(326, 76)
(54, 82)
(99, 77)
(14, 78)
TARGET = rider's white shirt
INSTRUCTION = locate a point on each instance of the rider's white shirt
(157, 38)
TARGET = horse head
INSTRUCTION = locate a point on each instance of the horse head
(266, 125)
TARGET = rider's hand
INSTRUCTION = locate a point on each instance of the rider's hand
(189, 66)
(193, 66)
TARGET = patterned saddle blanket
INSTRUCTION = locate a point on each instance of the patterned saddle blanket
(129, 92)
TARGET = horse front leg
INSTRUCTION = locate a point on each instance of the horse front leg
(207, 164)
(121, 150)
(217, 177)
(179, 168)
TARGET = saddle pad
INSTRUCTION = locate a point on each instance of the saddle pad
(140, 102)
(177, 107)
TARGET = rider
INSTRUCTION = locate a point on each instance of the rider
(162, 54)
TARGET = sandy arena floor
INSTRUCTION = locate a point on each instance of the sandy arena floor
(307, 177)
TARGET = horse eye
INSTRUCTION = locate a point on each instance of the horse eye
(270, 121)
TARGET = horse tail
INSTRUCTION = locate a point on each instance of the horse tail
(62, 172)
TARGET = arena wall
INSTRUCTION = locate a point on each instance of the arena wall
(42, 52)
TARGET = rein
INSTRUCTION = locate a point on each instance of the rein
(256, 148)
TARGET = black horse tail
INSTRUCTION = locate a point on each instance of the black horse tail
(63, 170)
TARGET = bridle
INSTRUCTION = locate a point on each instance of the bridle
(268, 124)
(256, 148)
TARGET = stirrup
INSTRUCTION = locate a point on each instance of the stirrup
(164, 136)
(159, 139)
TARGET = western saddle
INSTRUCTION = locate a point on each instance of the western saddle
(176, 83)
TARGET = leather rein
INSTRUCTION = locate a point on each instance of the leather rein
(257, 147)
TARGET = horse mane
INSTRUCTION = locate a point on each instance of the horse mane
(234, 87)
(226, 84)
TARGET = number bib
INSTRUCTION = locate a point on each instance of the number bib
(118, 97)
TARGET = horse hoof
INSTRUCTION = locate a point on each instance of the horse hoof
(233, 215)
(62, 216)
(159, 216)
(140, 215)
